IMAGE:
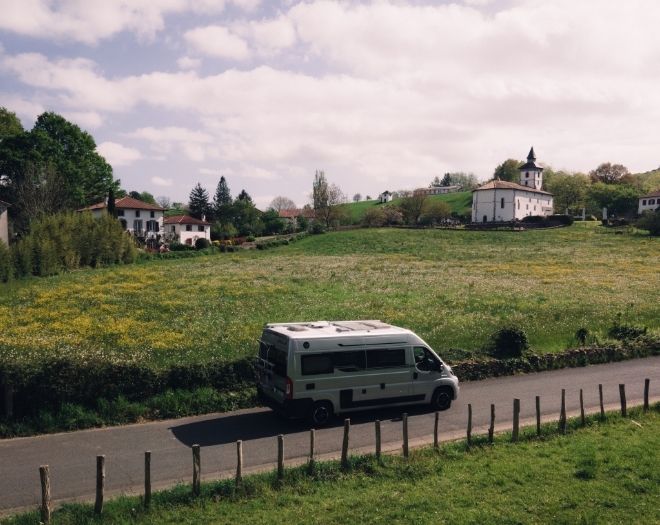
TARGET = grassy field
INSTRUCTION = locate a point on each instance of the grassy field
(605, 473)
(454, 288)
(460, 202)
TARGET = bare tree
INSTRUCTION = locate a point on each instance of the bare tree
(413, 206)
(41, 191)
(326, 198)
(163, 202)
(282, 203)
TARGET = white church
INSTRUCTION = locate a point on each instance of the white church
(503, 201)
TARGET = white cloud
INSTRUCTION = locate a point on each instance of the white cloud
(187, 62)
(84, 119)
(117, 154)
(170, 134)
(270, 36)
(160, 181)
(217, 41)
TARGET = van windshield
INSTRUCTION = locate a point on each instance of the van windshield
(275, 356)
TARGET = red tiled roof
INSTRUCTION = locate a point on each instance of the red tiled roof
(184, 219)
(292, 213)
(125, 203)
(655, 193)
(506, 185)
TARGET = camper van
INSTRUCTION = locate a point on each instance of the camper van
(319, 369)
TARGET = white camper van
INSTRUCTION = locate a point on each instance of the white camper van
(323, 368)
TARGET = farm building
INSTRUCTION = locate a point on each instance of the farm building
(291, 215)
(385, 197)
(439, 190)
(137, 217)
(503, 201)
(186, 229)
(4, 222)
(649, 202)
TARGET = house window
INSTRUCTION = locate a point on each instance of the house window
(527, 175)
(137, 213)
(188, 227)
(518, 204)
(644, 202)
(120, 213)
(173, 228)
(152, 214)
(200, 228)
(152, 226)
(137, 226)
(651, 201)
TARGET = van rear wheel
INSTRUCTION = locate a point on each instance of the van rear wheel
(442, 398)
(321, 413)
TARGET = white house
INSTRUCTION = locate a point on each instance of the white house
(503, 201)
(439, 190)
(385, 197)
(137, 217)
(187, 229)
(4, 222)
(649, 202)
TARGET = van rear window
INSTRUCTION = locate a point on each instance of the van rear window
(275, 356)
(386, 358)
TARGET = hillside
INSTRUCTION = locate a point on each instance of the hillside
(460, 203)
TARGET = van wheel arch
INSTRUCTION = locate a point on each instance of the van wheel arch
(442, 398)
(321, 413)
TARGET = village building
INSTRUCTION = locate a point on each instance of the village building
(385, 197)
(292, 215)
(186, 229)
(503, 201)
(649, 202)
(4, 222)
(139, 218)
(439, 190)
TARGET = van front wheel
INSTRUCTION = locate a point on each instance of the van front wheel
(442, 397)
(321, 413)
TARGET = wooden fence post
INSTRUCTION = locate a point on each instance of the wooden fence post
(197, 470)
(344, 445)
(646, 394)
(622, 395)
(100, 484)
(538, 415)
(239, 462)
(147, 478)
(280, 456)
(312, 440)
(469, 425)
(436, 443)
(491, 428)
(378, 439)
(582, 418)
(562, 412)
(516, 420)
(600, 397)
(404, 420)
(44, 475)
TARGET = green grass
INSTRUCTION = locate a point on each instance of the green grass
(454, 288)
(460, 202)
(605, 473)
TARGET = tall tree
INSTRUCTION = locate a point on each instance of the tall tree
(244, 196)
(112, 208)
(508, 170)
(609, 173)
(198, 203)
(10, 125)
(569, 191)
(326, 198)
(413, 206)
(357, 197)
(282, 203)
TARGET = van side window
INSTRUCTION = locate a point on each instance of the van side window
(316, 364)
(424, 360)
(386, 358)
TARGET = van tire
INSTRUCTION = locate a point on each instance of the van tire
(321, 413)
(442, 398)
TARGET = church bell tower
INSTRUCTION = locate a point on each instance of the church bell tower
(531, 175)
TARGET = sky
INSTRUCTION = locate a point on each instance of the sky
(380, 95)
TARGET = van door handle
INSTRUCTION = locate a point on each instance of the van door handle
(415, 375)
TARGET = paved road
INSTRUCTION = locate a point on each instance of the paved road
(71, 456)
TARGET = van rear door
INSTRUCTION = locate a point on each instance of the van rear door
(272, 365)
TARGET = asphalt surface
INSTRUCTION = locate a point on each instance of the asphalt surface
(72, 456)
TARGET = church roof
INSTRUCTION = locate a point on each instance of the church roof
(531, 162)
(506, 185)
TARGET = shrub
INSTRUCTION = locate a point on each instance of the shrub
(624, 332)
(22, 255)
(581, 335)
(508, 342)
(201, 244)
(374, 218)
(566, 220)
(533, 218)
(250, 238)
(180, 247)
(317, 227)
(650, 221)
(6, 263)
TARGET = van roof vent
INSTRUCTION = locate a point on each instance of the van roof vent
(296, 328)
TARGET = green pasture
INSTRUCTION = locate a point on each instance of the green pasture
(454, 288)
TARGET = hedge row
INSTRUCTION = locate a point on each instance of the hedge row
(52, 382)
(474, 370)
(272, 243)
